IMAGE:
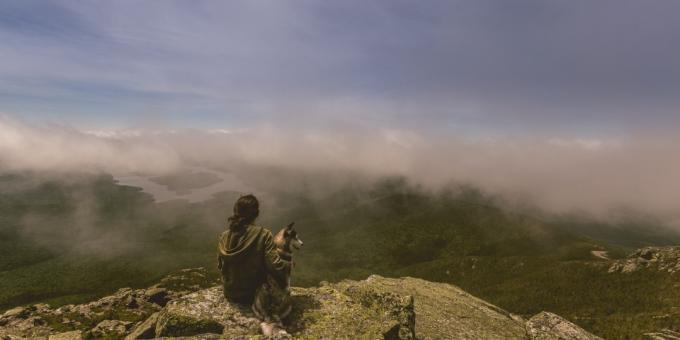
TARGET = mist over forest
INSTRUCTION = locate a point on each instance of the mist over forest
(561, 175)
(525, 151)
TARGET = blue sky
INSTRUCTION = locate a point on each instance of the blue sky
(572, 67)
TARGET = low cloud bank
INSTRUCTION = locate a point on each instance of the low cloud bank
(558, 174)
(33, 147)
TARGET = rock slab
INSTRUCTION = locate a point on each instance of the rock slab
(330, 311)
(549, 326)
(375, 308)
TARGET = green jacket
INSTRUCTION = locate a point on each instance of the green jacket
(245, 258)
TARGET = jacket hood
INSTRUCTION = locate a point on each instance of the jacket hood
(246, 240)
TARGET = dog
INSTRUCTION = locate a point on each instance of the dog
(272, 302)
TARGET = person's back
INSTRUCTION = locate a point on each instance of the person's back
(241, 261)
(247, 253)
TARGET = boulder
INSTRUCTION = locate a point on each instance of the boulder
(352, 309)
(201, 312)
(110, 329)
(144, 330)
(17, 312)
(157, 295)
(549, 326)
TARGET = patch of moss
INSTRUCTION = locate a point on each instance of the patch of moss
(179, 325)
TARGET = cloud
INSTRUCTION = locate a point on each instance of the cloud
(523, 66)
(557, 173)
(33, 147)
(566, 102)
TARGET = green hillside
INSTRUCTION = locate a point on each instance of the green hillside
(70, 239)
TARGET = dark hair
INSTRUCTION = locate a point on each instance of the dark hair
(246, 210)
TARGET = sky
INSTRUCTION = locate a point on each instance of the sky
(482, 67)
(573, 102)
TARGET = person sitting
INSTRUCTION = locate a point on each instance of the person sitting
(247, 253)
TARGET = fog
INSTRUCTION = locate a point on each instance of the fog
(555, 173)
(569, 106)
(51, 147)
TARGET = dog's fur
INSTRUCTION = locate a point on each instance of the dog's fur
(272, 302)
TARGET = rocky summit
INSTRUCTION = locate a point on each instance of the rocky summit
(188, 305)
(665, 259)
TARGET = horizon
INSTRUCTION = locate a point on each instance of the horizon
(571, 103)
(510, 168)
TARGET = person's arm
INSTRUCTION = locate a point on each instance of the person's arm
(275, 265)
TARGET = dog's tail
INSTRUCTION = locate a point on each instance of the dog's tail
(270, 329)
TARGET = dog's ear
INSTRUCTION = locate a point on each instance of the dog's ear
(288, 229)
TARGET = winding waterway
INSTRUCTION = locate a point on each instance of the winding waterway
(161, 193)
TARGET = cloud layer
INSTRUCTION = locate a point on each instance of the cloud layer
(566, 102)
(560, 174)
(58, 148)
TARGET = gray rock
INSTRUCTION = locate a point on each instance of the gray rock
(351, 309)
(109, 329)
(157, 295)
(377, 307)
(10, 337)
(202, 312)
(665, 334)
(549, 326)
(444, 311)
(73, 335)
(665, 259)
(145, 330)
(17, 312)
(374, 308)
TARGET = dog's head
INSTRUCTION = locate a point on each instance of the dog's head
(287, 238)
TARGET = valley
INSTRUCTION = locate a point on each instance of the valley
(76, 238)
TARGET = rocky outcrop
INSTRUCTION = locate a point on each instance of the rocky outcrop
(112, 316)
(329, 311)
(549, 326)
(445, 311)
(665, 259)
(378, 307)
